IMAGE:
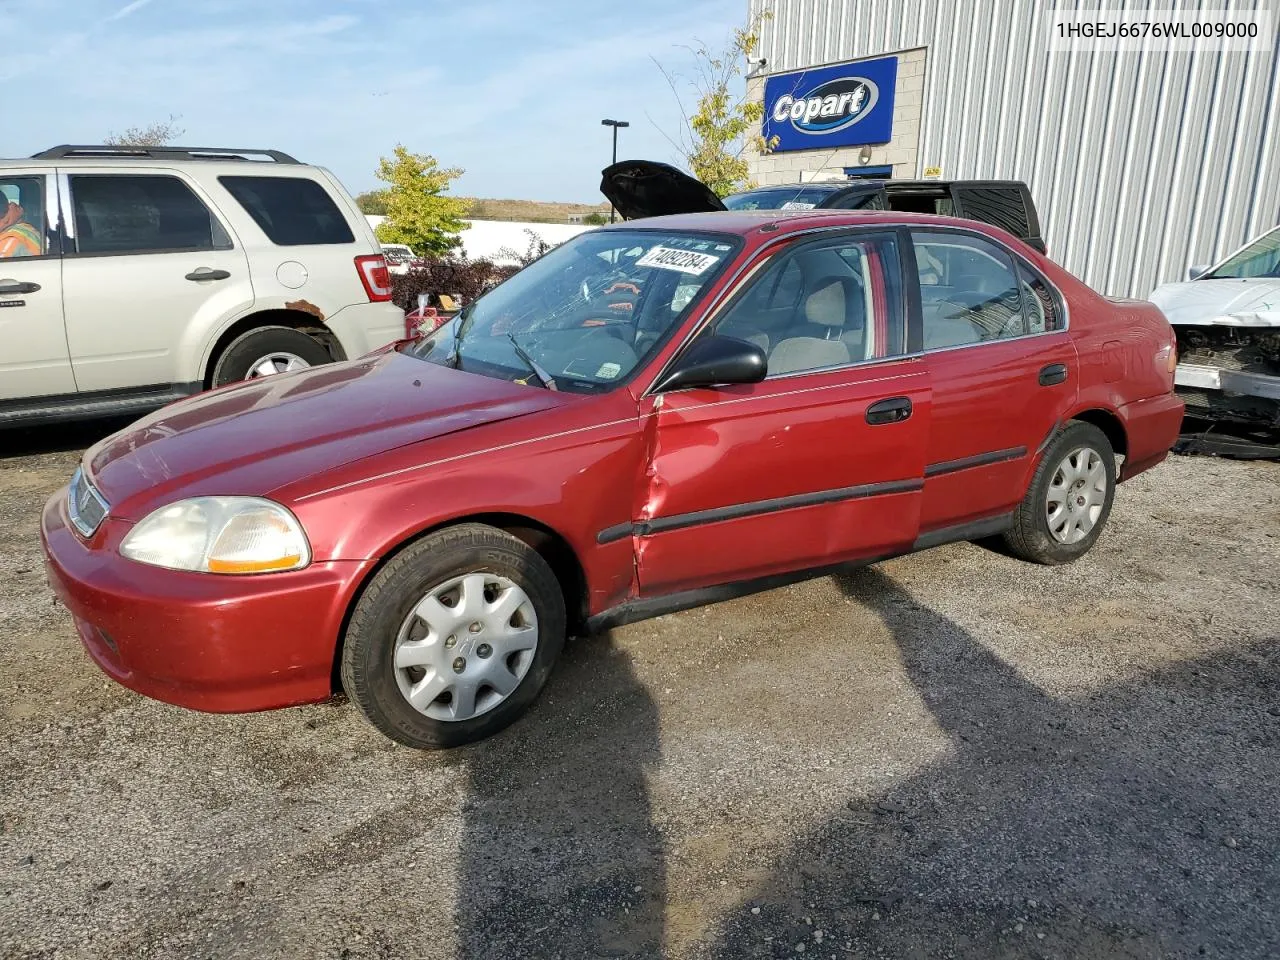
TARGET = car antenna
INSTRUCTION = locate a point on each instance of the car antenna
(800, 190)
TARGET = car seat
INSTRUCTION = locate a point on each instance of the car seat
(825, 312)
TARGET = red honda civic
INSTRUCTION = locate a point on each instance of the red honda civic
(651, 416)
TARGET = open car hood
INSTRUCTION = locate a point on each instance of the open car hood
(646, 188)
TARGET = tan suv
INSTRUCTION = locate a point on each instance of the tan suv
(130, 277)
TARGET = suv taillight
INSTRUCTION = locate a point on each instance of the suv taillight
(375, 277)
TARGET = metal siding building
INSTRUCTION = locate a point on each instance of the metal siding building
(1141, 163)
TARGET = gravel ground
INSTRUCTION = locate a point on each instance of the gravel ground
(947, 755)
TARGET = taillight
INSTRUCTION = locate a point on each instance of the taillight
(375, 276)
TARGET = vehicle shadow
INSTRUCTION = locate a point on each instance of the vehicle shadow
(57, 437)
(559, 855)
(1139, 819)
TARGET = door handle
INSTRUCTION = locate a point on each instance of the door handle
(204, 273)
(15, 286)
(893, 410)
(1053, 374)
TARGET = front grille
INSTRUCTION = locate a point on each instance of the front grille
(85, 505)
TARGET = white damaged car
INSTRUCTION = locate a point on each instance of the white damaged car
(1227, 320)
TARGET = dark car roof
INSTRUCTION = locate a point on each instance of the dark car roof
(742, 222)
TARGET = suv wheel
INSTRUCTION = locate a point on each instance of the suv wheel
(266, 351)
(454, 638)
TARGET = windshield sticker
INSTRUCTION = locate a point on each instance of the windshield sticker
(685, 261)
(796, 205)
(608, 371)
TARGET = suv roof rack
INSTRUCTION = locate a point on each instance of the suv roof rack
(107, 152)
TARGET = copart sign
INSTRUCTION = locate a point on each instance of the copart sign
(842, 106)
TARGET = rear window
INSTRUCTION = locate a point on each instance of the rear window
(1001, 206)
(291, 211)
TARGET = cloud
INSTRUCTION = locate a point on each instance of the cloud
(127, 10)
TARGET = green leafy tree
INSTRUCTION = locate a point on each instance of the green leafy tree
(418, 212)
(722, 129)
(373, 203)
(595, 219)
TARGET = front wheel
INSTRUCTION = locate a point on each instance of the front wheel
(454, 638)
(1069, 499)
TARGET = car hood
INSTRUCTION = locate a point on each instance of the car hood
(1229, 302)
(253, 437)
(646, 188)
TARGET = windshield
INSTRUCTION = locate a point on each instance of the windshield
(1259, 259)
(782, 198)
(585, 315)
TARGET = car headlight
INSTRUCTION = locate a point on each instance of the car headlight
(220, 535)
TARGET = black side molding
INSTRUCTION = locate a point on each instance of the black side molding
(97, 403)
(755, 508)
(979, 460)
(973, 530)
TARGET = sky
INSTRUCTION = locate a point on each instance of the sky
(513, 92)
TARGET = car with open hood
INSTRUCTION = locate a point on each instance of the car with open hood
(781, 393)
(647, 188)
(1227, 320)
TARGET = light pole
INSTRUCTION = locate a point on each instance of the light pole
(615, 124)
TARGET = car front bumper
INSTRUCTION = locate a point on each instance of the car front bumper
(1229, 381)
(216, 643)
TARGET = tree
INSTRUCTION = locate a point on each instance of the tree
(418, 212)
(373, 203)
(595, 219)
(154, 135)
(723, 126)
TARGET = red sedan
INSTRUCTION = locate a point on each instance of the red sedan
(424, 525)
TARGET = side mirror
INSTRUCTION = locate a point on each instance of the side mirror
(712, 360)
(1195, 273)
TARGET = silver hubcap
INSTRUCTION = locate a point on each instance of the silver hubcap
(465, 647)
(1076, 495)
(274, 363)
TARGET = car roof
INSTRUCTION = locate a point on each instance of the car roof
(743, 222)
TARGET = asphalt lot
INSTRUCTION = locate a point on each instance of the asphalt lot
(947, 755)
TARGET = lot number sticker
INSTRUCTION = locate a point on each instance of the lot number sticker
(685, 261)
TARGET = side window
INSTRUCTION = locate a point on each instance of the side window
(141, 214)
(968, 290)
(823, 305)
(291, 211)
(22, 217)
(1038, 302)
(1000, 206)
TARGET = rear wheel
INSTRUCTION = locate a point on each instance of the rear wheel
(1069, 499)
(454, 638)
(266, 351)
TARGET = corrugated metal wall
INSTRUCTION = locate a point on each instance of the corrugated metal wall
(1141, 163)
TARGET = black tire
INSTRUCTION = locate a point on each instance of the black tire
(237, 360)
(368, 672)
(1030, 537)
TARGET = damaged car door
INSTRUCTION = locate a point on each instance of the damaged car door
(820, 462)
